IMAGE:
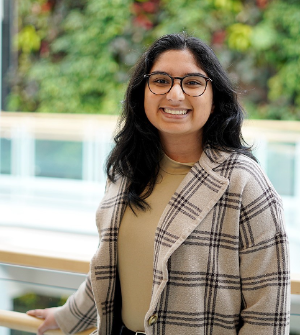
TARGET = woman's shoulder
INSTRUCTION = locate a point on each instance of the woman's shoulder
(240, 169)
(247, 178)
(229, 161)
(116, 185)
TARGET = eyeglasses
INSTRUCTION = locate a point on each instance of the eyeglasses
(161, 83)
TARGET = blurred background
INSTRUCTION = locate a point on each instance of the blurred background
(64, 68)
(63, 56)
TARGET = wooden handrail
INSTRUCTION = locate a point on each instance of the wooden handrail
(50, 254)
(71, 126)
(57, 126)
(295, 283)
(24, 322)
(44, 261)
(53, 262)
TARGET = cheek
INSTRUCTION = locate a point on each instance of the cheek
(210, 104)
(147, 105)
(146, 98)
(211, 100)
(150, 102)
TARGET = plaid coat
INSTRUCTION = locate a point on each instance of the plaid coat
(221, 263)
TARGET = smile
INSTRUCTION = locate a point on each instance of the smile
(175, 112)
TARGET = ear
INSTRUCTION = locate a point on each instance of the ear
(212, 108)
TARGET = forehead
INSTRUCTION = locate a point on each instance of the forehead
(177, 62)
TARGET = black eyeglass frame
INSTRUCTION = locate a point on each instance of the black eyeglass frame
(181, 79)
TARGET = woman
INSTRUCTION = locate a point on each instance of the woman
(181, 178)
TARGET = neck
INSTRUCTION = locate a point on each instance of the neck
(183, 149)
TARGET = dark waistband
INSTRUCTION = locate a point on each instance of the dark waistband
(126, 331)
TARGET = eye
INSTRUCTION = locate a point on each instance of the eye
(160, 80)
(194, 82)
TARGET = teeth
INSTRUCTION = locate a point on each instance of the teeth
(175, 112)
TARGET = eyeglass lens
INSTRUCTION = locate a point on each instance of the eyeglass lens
(162, 83)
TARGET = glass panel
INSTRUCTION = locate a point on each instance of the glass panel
(20, 296)
(24, 288)
(5, 155)
(29, 299)
(295, 315)
(58, 159)
(281, 167)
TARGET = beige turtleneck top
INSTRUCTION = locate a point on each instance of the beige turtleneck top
(136, 244)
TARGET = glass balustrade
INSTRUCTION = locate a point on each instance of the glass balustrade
(5, 154)
(295, 315)
(24, 288)
(58, 159)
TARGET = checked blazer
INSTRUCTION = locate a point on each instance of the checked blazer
(221, 261)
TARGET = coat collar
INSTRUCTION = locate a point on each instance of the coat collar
(194, 198)
(213, 158)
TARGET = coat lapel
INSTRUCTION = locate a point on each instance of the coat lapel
(194, 198)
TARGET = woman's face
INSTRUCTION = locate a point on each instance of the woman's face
(176, 114)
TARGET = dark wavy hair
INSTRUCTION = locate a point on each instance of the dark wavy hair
(138, 151)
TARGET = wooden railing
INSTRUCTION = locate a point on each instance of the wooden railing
(64, 263)
(295, 283)
(72, 126)
(24, 322)
(51, 250)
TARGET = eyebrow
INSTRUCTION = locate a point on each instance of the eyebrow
(186, 74)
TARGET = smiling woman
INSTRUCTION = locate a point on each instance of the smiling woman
(179, 116)
(192, 239)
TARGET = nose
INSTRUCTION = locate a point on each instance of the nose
(176, 93)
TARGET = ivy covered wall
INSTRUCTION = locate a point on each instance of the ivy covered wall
(74, 56)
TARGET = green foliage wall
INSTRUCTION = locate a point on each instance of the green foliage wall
(75, 56)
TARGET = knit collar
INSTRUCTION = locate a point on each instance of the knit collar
(173, 167)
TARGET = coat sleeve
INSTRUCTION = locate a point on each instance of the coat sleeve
(79, 312)
(264, 261)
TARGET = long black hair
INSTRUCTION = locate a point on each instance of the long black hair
(138, 150)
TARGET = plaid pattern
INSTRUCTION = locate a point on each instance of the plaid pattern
(220, 254)
(79, 313)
